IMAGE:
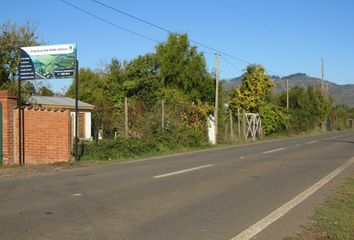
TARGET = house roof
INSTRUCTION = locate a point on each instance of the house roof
(58, 102)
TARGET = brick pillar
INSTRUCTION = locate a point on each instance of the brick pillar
(8, 101)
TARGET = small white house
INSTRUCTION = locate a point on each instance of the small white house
(85, 109)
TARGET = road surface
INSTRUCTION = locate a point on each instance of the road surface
(214, 194)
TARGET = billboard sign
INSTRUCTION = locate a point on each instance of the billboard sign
(47, 62)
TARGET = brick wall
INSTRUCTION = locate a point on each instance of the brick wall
(47, 136)
(8, 102)
(47, 133)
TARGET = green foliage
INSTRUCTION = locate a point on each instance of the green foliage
(308, 109)
(182, 67)
(115, 149)
(121, 149)
(185, 127)
(254, 91)
(339, 115)
(274, 119)
(101, 88)
(254, 96)
(143, 79)
(176, 67)
(12, 37)
(44, 91)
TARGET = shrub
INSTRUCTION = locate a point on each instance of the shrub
(274, 119)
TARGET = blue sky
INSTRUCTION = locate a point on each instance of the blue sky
(285, 36)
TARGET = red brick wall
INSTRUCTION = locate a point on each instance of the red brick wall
(47, 133)
(8, 102)
(47, 136)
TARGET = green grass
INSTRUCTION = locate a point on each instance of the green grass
(334, 220)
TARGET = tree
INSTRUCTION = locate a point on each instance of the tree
(12, 37)
(255, 88)
(104, 89)
(308, 108)
(44, 91)
(142, 79)
(182, 67)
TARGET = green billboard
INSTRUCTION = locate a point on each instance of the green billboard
(47, 62)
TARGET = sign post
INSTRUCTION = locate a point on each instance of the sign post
(47, 62)
(77, 112)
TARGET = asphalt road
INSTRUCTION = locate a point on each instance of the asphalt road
(215, 194)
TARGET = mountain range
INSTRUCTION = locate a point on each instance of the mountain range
(344, 94)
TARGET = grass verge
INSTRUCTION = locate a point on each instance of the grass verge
(334, 220)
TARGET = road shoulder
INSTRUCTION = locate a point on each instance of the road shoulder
(293, 223)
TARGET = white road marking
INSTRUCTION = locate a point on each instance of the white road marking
(242, 157)
(281, 211)
(183, 171)
(315, 141)
(77, 194)
(274, 150)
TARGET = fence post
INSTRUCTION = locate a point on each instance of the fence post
(226, 137)
(163, 115)
(239, 124)
(244, 122)
(231, 126)
(126, 117)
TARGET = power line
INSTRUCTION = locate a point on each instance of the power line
(110, 23)
(231, 64)
(158, 27)
(168, 31)
(131, 16)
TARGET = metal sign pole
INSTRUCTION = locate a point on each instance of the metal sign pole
(77, 111)
(19, 121)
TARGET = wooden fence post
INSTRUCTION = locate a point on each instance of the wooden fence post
(163, 115)
(126, 117)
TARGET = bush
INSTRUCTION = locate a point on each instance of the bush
(119, 149)
(274, 119)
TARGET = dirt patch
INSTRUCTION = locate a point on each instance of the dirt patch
(17, 170)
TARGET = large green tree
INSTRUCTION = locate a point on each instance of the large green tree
(182, 67)
(102, 88)
(143, 80)
(308, 108)
(176, 66)
(256, 86)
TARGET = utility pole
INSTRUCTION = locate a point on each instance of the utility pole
(239, 124)
(216, 110)
(322, 90)
(322, 87)
(287, 93)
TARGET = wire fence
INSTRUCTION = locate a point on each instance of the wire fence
(138, 119)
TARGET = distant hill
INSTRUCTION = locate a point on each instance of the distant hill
(344, 94)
